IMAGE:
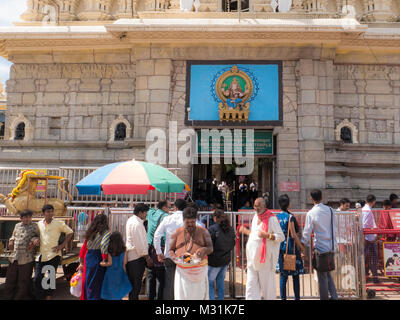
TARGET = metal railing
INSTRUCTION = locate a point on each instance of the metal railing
(9, 175)
(349, 275)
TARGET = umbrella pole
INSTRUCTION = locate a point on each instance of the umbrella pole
(131, 202)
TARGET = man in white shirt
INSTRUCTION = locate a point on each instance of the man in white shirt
(370, 250)
(167, 227)
(320, 220)
(137, 249)
(262, 251)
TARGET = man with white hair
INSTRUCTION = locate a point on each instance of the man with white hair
(262, 252)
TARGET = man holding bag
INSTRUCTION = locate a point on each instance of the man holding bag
(321, 220)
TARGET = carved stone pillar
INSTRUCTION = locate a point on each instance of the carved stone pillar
(34, 11)
(126, 9)
(379, 10)
(208, 6)
(68, 9)
(261, 6)
(315, 5)
(96, 10)
(297, 6)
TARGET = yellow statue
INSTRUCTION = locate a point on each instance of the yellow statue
(23, 196)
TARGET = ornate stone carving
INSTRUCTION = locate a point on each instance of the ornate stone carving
(315, 5)
(68, 9)
(15, 122)
(96, 10)
(99, 10)
(346, 124)
(114, 125)
(126, 9)
(379, 10)
(34, 11)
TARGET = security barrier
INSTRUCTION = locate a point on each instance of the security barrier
(9, 175)
(349, 275)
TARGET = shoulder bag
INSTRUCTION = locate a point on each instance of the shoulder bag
(325, 262)
(289, 260)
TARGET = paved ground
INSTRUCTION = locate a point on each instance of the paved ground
(62, 291)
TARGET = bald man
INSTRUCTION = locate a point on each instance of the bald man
(262, 252)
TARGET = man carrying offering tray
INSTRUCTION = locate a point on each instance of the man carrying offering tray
(189, 247)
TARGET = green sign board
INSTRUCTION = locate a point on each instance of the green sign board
(262, 144)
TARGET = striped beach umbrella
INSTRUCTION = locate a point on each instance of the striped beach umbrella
(130, 177)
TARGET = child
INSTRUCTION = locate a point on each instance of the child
(116, 284)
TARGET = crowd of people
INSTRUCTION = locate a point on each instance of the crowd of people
(186, 258)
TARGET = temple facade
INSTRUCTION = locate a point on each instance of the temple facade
(90, 78)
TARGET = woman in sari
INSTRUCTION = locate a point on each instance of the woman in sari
(94, 251)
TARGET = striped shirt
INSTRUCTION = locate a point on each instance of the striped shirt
(100, 242)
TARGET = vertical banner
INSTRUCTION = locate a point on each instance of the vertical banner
(391, 259)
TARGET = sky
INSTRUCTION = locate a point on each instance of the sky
(10, 11)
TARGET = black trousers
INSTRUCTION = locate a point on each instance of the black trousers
(170, 267)
(19, 281)
(156, 281)
(39, 275)
(135, 270)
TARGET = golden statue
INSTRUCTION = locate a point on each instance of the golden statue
(234, 88)
(23, 196)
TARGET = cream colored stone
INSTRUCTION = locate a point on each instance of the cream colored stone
(51, 98)
(159, 82)
(141, 82)
(142, 95)
(85, 56)
(88, 98)
(145, 67)
(28, 98)
(159, 96)
(163, 67)
(123, 85)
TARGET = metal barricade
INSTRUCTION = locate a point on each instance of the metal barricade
(82, 217)
(381, 253)
(348, 275)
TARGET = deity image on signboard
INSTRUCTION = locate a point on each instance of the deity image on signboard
(234, 93)
(234, 88)
(226, 93)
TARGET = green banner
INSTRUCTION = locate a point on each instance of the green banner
(262, 144)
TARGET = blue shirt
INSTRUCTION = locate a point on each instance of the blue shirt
(318, 219)
(154, 218)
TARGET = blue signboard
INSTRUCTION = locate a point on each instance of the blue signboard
(234, 93)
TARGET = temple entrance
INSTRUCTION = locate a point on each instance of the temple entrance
(218, 183)
(232, 5)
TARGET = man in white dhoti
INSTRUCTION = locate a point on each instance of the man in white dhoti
(188, 248)
(262, 252)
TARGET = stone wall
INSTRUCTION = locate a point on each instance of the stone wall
(71, 102)
(369, 97)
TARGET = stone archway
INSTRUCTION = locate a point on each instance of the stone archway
(346, 124)
(114, 125)
(14, 124)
